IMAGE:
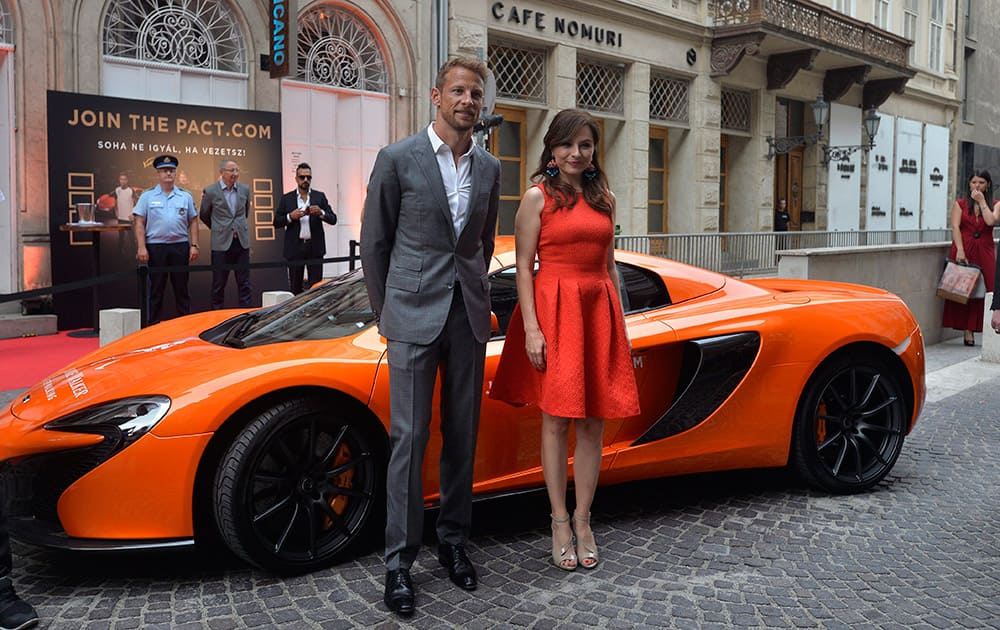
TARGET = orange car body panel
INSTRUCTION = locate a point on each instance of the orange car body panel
(146, 490)
(157, 476)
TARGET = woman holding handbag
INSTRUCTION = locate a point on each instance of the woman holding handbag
(972, 221)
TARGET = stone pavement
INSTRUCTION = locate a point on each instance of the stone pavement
(749, 549)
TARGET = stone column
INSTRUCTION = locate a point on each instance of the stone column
(706, 115)
(632, 185)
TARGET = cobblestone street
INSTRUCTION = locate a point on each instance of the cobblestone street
(724, 550)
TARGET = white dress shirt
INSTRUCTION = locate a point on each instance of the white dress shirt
(457, 178)
(304, 229)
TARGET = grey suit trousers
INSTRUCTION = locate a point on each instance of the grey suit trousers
(413, 371)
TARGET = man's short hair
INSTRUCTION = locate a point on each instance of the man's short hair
(469, 63)
(302, 165)
(224, 161)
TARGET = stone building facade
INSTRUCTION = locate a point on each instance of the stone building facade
(696, 100)
(979, 126)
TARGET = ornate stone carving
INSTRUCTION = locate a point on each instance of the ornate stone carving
(727, 53)
(838, 81)
(877, 92)
(809, 24)
(782, 68)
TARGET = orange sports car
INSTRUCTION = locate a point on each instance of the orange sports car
(267, 428)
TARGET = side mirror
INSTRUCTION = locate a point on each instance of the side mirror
(494, 324)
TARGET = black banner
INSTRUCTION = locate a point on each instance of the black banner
(93, 140)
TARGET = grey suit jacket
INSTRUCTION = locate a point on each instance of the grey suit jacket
(215, 213)
(410, 253)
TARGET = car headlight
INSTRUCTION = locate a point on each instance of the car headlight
(121, 422)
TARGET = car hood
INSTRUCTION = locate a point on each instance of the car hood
(110, 377)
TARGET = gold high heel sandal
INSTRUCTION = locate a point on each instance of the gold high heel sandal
(563, 557)
(589, 559)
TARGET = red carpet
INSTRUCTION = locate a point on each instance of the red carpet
(25, 361)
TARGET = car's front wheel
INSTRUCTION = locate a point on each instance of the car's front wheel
(298, 485)
(850, 425)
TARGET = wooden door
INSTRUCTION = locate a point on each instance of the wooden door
(507, 143)
(656, 202)
(788, 184)
(794, 194)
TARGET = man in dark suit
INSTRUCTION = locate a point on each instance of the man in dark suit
(14, 611)
(225, 208)
(427, 237)
(304, 239)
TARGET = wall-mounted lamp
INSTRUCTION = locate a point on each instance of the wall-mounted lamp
(784, 144)
(870, 124)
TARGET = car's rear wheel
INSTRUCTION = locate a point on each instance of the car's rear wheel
(298, 485)
(850, 424)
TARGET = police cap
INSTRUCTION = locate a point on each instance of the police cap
(164, 161)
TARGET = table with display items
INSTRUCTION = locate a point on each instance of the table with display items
(95, 230)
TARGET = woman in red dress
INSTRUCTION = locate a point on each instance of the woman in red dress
(972, 220)
(566, 348)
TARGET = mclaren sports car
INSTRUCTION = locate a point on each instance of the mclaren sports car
(267, 429)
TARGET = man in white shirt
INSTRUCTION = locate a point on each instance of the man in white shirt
(125, 197)
(427, 237)
(302, 213)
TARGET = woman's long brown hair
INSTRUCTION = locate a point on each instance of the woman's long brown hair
(987, 192)
(563, 128)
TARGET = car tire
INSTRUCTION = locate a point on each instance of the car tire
(297, 487)
(850, 424)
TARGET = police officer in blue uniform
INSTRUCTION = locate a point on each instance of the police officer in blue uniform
(166, 234)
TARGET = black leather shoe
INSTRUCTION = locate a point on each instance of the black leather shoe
(399, 591)
(460, 569)
(15, 613)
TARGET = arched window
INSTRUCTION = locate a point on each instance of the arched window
(194, 49)
(6, 25)
(336, 48)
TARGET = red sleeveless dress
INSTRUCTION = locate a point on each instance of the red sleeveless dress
(588, 372)
(977, 241)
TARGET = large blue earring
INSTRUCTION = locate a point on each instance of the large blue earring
(551, 169)
(590, 173)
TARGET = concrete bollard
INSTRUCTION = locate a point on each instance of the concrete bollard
(270, 298)
(115, 323)
(991, 340)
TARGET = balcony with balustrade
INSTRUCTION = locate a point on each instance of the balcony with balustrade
(799, 34)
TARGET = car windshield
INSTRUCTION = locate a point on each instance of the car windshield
(337, 308)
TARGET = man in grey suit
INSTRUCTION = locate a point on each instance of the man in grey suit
(427, 238)
(225, 208)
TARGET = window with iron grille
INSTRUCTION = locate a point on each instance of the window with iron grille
(668, 98)
(187, 33)
(336, 48)
(600, 86)
(736, 110)
(519, 72)
(6, 24)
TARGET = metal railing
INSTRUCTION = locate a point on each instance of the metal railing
(755, 253)
(805, 19)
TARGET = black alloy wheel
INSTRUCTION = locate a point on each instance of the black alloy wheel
(297, 487)
(850, 425)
